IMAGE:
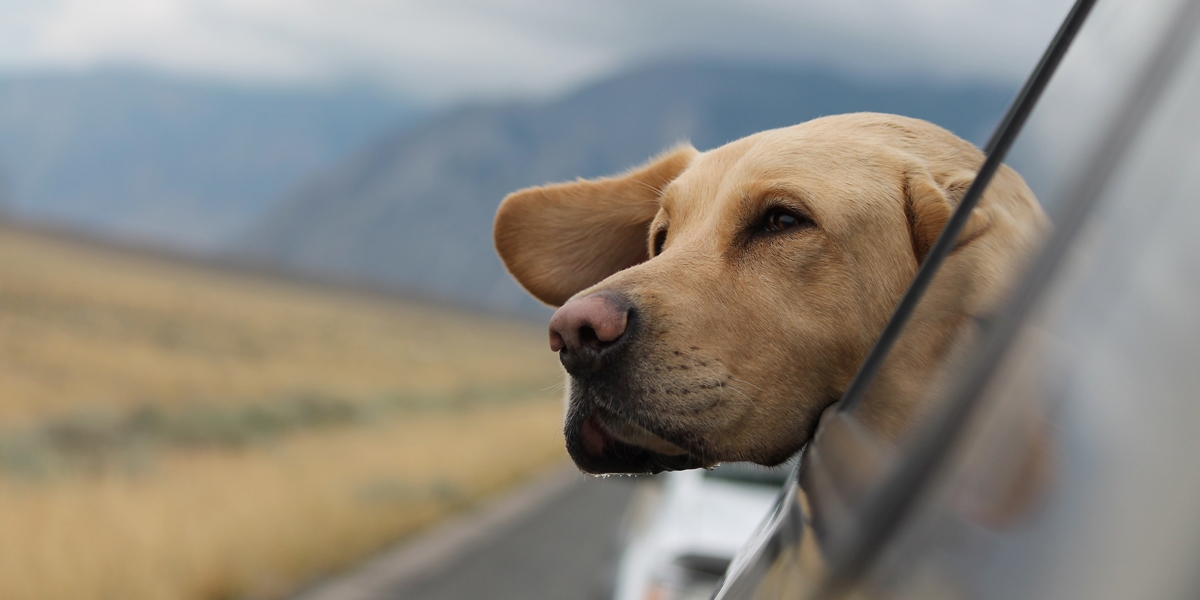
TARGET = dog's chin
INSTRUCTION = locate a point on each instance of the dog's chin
(602, 444)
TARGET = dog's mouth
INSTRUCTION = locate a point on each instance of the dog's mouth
(601, 443)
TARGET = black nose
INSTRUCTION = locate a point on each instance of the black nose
(587, 331)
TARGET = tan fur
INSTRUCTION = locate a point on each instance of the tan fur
(745, 338)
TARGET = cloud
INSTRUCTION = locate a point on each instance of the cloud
(452, 49)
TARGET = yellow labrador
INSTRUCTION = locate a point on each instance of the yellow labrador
(713, 304)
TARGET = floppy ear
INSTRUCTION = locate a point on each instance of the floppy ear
(559, 239)
(928, 205)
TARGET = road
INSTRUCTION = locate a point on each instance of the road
(554, 539)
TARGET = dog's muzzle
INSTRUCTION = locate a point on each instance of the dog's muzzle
(593, 336)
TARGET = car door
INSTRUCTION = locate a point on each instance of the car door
(1059, 458)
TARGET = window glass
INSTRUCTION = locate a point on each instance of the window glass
(1077, 478)
(1076, 109)
(1074, 479)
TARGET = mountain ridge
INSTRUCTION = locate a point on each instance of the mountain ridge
(414, 209)
(152, 156)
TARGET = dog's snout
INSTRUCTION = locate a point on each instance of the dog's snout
(584, 330)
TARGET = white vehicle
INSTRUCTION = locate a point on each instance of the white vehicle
(684, 528)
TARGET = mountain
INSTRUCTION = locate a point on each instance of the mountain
(414, 211)
(187, 163)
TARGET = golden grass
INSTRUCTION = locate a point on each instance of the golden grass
(82, 327)
(226, 524)
(85, 329)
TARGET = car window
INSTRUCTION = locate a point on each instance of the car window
(888, 407)
(1082, 449)
(1090, 406)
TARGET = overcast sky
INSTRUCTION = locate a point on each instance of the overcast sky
(448, 50)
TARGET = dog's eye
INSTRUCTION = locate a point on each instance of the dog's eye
(779, 219)
(660, 240)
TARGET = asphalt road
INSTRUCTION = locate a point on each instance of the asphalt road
(553, 540)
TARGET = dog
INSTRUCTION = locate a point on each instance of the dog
(712, 305)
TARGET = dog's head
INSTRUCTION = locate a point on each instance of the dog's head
(713, 304)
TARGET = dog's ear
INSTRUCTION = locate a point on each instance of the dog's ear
(559, 239)
(928, 205)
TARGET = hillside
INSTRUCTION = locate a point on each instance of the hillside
(414, 211)
(182, 162)
(172, 430)
(86, 326)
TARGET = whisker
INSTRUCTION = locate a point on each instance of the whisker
(656, 191)
(558, 386)
(753, 404)
(746, 382)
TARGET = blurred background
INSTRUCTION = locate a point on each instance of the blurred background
(252, 328)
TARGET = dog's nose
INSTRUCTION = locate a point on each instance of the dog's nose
(584, 330)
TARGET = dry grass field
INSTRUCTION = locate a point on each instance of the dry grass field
(173, 431)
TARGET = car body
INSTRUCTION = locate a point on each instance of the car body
(685, 526)
(1094, 363)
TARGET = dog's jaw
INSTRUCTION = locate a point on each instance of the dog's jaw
(634, 435)
(601, 443)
